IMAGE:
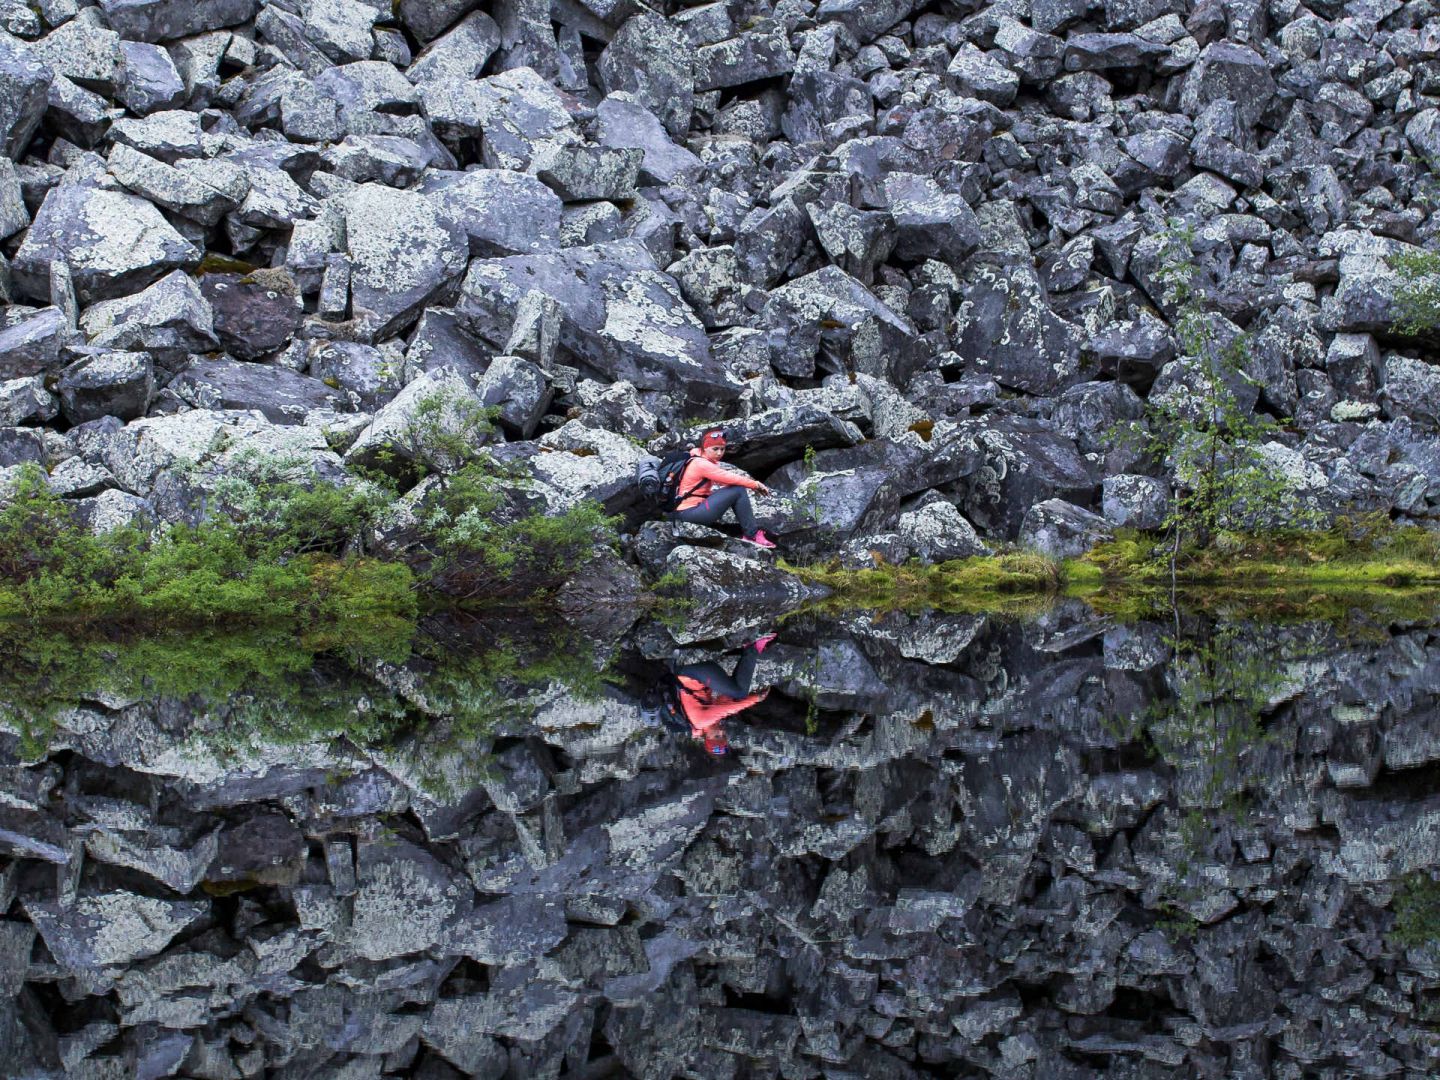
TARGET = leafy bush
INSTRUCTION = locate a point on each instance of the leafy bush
(1417, 298)
(488, 542)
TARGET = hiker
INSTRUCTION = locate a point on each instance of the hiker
(708, 488)
(707, 695)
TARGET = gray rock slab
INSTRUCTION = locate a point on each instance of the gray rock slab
(282, 395)
(502, 212)
(24, 95)
(253, 315)
(108, 383)
(1062, 530)
(31, 344)
(403, 252)
(111, 928)
(113, 242)
(165, 20)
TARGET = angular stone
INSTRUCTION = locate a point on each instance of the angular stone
(761, 53)
(1135, 502)
(170, 319)
(282, 395)
(650, 59)
(87, 55)
(202, 190)
(519, 390)
(404, 900)
(626, 122)
(151, 82)
(25, 401)
(502, 212)
(111, 928)
(113, 509)
(24, 95)
(937, 532)
(403, 252)
(1411, 388)
(621, 318)
(391, 433)
(368, 376)
(583, 173)
(113, 242)
(973, 73)
(165, 20)
(109, 383)
(253, 315)
(930, 224)
(1229, 72)
(1007, 330)
(831, 315)
(31, 344)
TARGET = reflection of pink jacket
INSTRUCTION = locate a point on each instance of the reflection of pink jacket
(704, 708)
(704, 475)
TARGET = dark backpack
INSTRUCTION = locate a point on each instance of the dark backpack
(660, 704)
(659, 481)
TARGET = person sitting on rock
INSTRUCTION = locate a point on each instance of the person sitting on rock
(707, 695)
(709, 488)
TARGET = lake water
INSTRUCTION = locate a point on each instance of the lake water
(935, 846)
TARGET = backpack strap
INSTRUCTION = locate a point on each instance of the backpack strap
(679, 480)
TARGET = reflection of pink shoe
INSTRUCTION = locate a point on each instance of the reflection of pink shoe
(761, 642)
(760, 540)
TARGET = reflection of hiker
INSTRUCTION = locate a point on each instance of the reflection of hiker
(708, 488)
(707, 695)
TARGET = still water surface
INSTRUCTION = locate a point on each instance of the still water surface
(933, 845)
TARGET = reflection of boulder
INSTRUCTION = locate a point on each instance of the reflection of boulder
(727, 593)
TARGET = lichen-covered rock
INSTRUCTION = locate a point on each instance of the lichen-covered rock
(403, 253)
(395, 434)
(165, 20)
(283, 396)
(405, 901)
(26, 401)
(31, 343)
(107, 383)
(169, 319)
(650, 59)
(1136, 502)
(937, 531)
(114, 243)
(253, 315)
(111, 928)
(24, 93)
(1062, 530)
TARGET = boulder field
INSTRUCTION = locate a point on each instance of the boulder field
(918, 259)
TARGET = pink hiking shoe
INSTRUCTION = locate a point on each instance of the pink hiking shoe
(764, 640)
(760, 540)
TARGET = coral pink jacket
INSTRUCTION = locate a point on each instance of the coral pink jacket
(705, 475)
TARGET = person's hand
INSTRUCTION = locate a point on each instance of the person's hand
(764, 490)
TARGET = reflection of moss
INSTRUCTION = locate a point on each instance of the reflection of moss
(371, 683)
(1012, 583)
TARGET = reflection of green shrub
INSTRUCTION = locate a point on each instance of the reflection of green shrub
(282, 686)
(1417, 912)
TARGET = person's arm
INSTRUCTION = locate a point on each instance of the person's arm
(704, 469)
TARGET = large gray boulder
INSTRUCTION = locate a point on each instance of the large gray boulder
(1135, 502)
(24, 94)
(113, 242)
(620, 317)
(25, 401)
(936, 531)
(730, 593)
(1062, 530)
(395, 436)
(501, 211)
(105, 929)
(830, 318)
(282, 395)
(1007, 330)
(109, 383)
(254, 315)
(165, 20)
(626, 122)
(30, 345)
(170, 319)
(403, 253)
(1411, 388)
(650, 59)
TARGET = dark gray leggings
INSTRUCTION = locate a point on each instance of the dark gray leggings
(730, 497)
(717, 681)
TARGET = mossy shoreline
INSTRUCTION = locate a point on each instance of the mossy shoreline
(1329, 574)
